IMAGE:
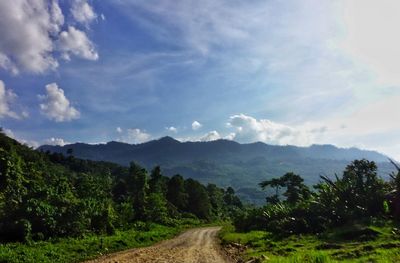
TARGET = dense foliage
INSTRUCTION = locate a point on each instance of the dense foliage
(45, 195)
(359, 194)
(228, 163)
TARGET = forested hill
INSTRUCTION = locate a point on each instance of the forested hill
(45, 195)
(228, 163)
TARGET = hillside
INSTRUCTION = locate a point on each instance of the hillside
(228, 163)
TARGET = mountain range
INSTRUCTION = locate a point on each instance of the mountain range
(228, 163)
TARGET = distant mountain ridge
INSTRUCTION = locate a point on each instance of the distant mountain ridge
(227, 163)
(123, 153)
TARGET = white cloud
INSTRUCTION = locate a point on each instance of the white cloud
(83, 12)
(119, 129)
(56, 17)
(210, 136)
(249, 129)
(134, 135)
(31, 143)
(77, 43)
(11, 134)
(56, 141)
(30, 36)
(7, 96)
(26, 30)
(196, 125)
(25, 114)
(172, 129)
(230, 136)
(138, 136)
(6, 64)
(374, 126)
(56, 106)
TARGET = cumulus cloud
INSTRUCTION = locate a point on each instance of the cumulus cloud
(26, 30)
(249, 129)
(11, 134)
(119, 129)
(230, 136)
(56, 106)
(138, 136)
(6, 64)
(210, 136)
(134, 135)
(77, 43)
(172, 129)
(30, 36)
(196, 125)
(7, 96)
(56, 17)
(82, 12)
(56, 141)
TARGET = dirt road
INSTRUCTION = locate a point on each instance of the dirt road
(193, 246)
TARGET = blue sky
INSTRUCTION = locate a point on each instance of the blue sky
(281, 72)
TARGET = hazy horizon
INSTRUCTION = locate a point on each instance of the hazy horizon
(280, 72)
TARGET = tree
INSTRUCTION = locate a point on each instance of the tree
(358, 193)
(198, 200)
(216, 199)
(13, 191)
(95, 196)
(176, 193)
(139, 189)
(157, 210)
(364, 188)
(157, 182)
(296, 190)
(395, 193)
(276, 183)
(230, 199)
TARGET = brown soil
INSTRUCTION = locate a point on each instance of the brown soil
(197, 245)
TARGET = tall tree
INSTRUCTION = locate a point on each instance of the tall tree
(277, 184)
(158, 182)
(296, 190)
(216, 196)
(198, 200)
(139, 190)
(176, 193)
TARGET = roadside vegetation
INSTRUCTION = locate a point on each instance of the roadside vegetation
(63, 209)
(353, 217)
(90, 246)
(361, 242)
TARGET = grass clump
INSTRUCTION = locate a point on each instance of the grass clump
(352, 243)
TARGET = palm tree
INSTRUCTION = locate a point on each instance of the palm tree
(394, 195)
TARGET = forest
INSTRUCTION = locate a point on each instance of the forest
(46, 196)
(51, 197)
(351, 217)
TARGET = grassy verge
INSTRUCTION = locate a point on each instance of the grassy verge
(79, 249)
(356, 243)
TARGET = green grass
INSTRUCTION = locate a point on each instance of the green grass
(79, 249)
(356, 243)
